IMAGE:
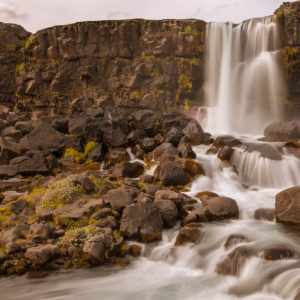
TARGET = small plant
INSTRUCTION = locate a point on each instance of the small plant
(185, 82)
(78, 236)
(147, 57)
(60, 193)
(138, 94)
(20, 68)
(190, 31)
(29, 42)
(156, 72)
(11, 47)
(79, 157)
(5, 213)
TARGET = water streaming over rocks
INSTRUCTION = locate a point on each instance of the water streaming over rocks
(243, 83)
(246, 73)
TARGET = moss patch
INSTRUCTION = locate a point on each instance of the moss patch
(79, 157)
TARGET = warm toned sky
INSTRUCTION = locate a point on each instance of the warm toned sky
(38, 14)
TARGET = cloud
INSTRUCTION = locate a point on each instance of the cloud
(10, 12)
(118, 15)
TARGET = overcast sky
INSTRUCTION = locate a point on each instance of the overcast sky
(38, 14)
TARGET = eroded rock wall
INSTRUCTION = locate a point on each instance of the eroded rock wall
(130, 64)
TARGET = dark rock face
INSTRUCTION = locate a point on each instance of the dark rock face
(128, 169)
(287, 206)
(96, 63)
(142, 221)
(172, 173)
(188, 235)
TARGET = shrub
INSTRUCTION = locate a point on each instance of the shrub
(79, 157)
(78, 236)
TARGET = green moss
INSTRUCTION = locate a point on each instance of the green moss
(138, 94)
(147, 57)
(184, 82)
(5, 213)
(78, 236)
(156, 72)
(142, 185)
(186, 103)
(20, 68)
(29, 42)
(103, 183)
(79, 157)
(157, 93)
(60, 193)
(190, 31)
(11, 47)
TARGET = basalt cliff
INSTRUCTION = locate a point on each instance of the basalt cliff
(128, 64)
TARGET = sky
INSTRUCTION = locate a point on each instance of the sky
(37, 14)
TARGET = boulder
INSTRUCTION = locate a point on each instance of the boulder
(39, 255)
(265, 214)
(220, 208)
(188, 235)
(287, 206)
(193, 133)
(276, 253)
(148, 144)
(168, 211)
(265, 150)
(102, 213)
(7, 171)
(234, 240)
(24, 126)
(44, 230)
(97, 154)
(226, 140)
(109, 222)
(75, 142)
(191, 167)
(9, 150)
(174, 136)
(205, 196)
(116, 155)
(225, 153)
(12, 248)
(95, 247)
(128, 169)
(43, 137)
(281, 132)
(172, 173)
(12, 132)
(146, 120)
(142, 221)
(18, 205)
(121, 197)
(198, 214)
(134, 250)
(13, 234)
(186, 151)
(165, 151)
(234, 262)
(60, 124)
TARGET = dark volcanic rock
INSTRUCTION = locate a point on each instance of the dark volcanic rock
(226, 140)
(128, 169)
(172, 173)
(188, 235)
(119, 198)
(39, 255)
(287, 206)
(142, 221)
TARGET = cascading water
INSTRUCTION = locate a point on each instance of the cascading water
(243, 85)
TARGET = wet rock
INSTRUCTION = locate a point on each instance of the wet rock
(281, 132)
(205, 196)
(193, 133)
(168, 211)
(142, 221)
(265, 214)
(191, 167)
(43, 137)
(128, 169)
(225, 153)
(292, 147)
(172, 173)
(188, 235)
(265, 150)
(39, 255)
(212, 151)
(220, 208)
(287, 206)
(186, 151)
(174, 136)
(95, 247)
(198, 214)
(276, 253)
(116, 155)
(234, 240)
(234, 262)
(134, 250)
(170, 195)
(119, 198)
(226, 140)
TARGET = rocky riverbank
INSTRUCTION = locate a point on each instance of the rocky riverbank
(78, 190)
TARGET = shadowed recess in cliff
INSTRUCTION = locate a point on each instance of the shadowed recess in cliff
(243, 84)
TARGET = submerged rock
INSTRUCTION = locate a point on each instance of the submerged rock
(265, 214)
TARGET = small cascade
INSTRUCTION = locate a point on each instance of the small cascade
(243, 82)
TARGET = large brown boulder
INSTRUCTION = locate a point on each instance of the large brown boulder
(188, 235)
(287, 206)
(121, 197)
(281, 132)
(142, 221)
(220, 208)
(39, 255)
(172, 173)
(128, 169)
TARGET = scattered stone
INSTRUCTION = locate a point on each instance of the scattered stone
(265, 214)
(188, 235)
(172, 173)
(168, 211)
(220, 208)
(119, 198)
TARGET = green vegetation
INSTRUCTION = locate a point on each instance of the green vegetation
(184, 82)
(104, 183)
(11, 47)
(190, 31)
(156, 72)
(20, 68)
(60, 193)
(5, 213)
(78, 236)
(29, 42)
(79, 157)
(138, 94)
(147, 57)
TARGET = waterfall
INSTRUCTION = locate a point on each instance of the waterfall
(243, 85)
